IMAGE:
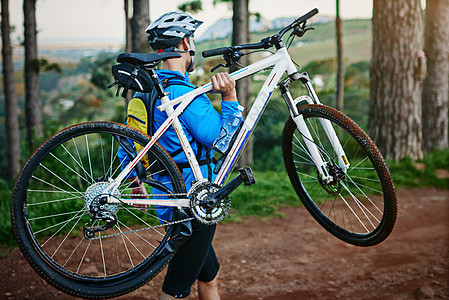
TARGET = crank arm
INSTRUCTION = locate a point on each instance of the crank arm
(246, 177)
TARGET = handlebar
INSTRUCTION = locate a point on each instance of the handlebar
(301, 20)
(264, 43)
(307, 16)
(214, 52)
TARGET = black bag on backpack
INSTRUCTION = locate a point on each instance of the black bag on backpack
(130, 76)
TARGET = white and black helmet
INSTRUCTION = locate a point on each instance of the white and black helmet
(169, 29)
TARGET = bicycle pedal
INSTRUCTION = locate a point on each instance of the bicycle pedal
(247, 175)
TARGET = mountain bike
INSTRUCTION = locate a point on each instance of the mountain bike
(80, 228)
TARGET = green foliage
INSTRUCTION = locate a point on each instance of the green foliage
(268, 136)
(422, 173)
(71, 93)
(263, 198)
(86, 96)
(357, 88)
(325, 66)
(46, 66)
(42, 65)
(218, 1)
(6, 235)
(192, 6)
(100, 70)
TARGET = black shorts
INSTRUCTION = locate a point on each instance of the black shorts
(194, 260)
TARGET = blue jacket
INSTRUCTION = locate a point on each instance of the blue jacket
(200, 120)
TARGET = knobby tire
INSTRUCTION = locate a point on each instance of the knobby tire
(55, 177)
(360, 209)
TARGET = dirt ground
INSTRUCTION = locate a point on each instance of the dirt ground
(294, 258)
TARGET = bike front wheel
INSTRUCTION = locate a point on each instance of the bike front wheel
(54, 217)
(360, 207)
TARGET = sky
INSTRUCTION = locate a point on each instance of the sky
(103, 20)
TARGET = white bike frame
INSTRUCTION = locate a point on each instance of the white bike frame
(281, 63)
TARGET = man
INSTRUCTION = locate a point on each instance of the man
(195, 260)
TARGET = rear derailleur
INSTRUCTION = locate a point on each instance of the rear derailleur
(99, 211)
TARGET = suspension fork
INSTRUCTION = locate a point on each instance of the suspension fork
(311, 145)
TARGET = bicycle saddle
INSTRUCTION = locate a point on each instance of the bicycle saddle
(146, 58)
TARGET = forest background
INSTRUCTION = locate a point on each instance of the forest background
(73, 89)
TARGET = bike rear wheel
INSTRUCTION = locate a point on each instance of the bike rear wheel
(53, 200)
(359, 209)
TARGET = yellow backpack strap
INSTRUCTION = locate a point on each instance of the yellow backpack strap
(137, 115)
(137, 118)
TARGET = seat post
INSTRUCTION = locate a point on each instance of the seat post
(157, 83)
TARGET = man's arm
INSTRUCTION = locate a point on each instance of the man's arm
(224, 84)
(201, 118)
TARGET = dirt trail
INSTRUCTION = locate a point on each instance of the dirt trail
(294, 258)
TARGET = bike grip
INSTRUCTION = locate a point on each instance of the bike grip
(308, 15)
(214, 52)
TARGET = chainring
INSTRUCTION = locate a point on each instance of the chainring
(209, 216)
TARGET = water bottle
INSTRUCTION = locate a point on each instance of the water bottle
(229, 129)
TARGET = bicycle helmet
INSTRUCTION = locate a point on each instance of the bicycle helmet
(168, 30)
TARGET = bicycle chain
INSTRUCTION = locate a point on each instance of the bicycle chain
(141, 229)
(147, 228)
(155, 195)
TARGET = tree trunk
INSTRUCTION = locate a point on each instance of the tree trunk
(240, 35)
(11, 108)
(436, 86)
(128, 43)
(395, 108)
(33, 103)
(127, 27)
(340, 60)
(139, 22)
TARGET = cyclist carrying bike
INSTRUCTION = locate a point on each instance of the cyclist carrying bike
(196, 259)
(76, 181)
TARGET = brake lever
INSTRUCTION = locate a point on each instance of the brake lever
(307, 29)
(220, 65)
(229, 57)
(300, 31)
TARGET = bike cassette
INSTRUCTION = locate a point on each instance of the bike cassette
(93, 199)
(95, 203)
(199, 198)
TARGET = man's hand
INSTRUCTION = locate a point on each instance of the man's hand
(224, 84)
(140, 190)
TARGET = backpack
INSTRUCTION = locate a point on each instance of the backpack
(140, 112)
